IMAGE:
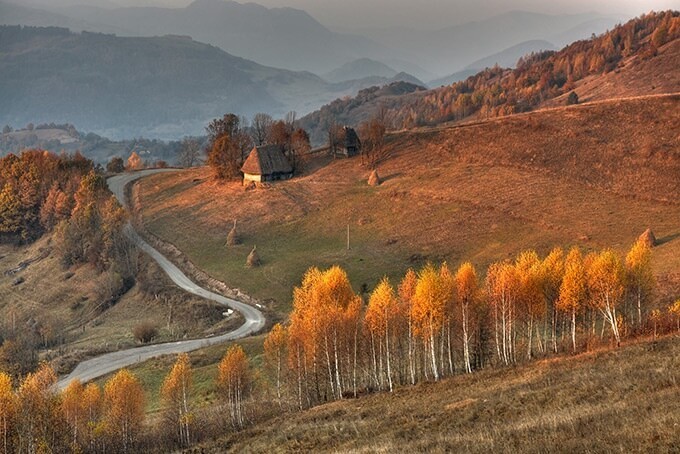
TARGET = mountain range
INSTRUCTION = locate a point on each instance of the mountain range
(291, 39)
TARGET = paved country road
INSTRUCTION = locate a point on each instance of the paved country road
(109, 362)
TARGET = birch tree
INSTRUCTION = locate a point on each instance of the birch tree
(573, 290)
(176, 392)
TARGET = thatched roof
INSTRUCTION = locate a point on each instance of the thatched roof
(266, 160)
(351, 138)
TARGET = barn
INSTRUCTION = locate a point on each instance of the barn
(266, 163)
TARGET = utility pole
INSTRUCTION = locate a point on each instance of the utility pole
(348, 237)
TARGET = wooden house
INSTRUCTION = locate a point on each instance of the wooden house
(266, 163)
(352, 144)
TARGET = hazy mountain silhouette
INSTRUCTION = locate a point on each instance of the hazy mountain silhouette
(159, 86)
(506, 59)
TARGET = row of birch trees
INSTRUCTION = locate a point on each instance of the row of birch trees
(440, 320)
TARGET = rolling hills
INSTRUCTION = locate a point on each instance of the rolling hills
(594, 175)
(158, 87)
(636, 58)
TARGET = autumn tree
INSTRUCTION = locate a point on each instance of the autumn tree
(228, 144)
(123, 413)
(274, 353)
(674, 311)
(573, 290)
(8, 413)
(531, 296)
(92, 407)
(134, 162)
(552, 272)
(74, 412)
(176, 392)
(372, 134)
(116, 165)
(503, 288)
(39, 420)
(467, 292)
(189, 152)
(639, 276)
(407, 290)
(606, 288)
(260, 128)
(429, 311)
(380, 318)
(233, 380)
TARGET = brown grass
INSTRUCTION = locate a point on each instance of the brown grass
(622, 400)
(594, 176)
(66, 301)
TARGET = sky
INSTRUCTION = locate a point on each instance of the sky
(426, 14)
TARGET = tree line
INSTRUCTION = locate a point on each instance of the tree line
(438, 321)
(498, 91)
(231, 138)
(66, 195)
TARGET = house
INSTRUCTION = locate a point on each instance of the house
(266, 163)
(349, 145)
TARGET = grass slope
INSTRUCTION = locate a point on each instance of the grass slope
(65, 303)
(594, 175)
(618, 400)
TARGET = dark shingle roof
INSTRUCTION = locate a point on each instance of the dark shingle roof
(266, 160)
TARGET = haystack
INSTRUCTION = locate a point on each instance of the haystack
(374, 179)
(648, 238)
(233, 238)
(253, 259)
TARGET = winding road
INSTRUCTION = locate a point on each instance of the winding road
(109, 362)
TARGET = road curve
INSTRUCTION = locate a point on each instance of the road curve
(109, 362)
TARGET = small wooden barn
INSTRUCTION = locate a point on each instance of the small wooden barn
(349, 145)
(266, 163)
(352, 145)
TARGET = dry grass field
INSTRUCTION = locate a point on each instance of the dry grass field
(594, 176)
(63, 303)
(624, 400)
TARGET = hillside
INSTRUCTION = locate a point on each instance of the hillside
(281, 37)
(506, 58)
(631, 52)
(359, 69)
(592, 175)
(158, 87)
(604, 401)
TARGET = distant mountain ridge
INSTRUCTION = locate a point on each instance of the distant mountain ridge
(506, 58)
(292, 39)
(159, 87)
(636, 58)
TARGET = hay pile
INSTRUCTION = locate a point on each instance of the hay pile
(253, 259)
(374, 179)
(233, 238)
(648, 238)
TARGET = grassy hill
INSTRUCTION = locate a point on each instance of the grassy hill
(59, 311)
(592, 175)
(606, 401)
(636, 58)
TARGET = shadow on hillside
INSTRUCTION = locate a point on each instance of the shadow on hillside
(667, 239)
(391, 177)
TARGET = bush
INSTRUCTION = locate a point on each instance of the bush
(572, 98)
(145, 332)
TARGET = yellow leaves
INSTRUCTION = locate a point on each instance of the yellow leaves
(573, 290)
(234, 369)
(178, 381)
(123, 405)
(275, 342)
(429, 301)
(605, 279)
(382, 307)
(467, 285)
(8, 400)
